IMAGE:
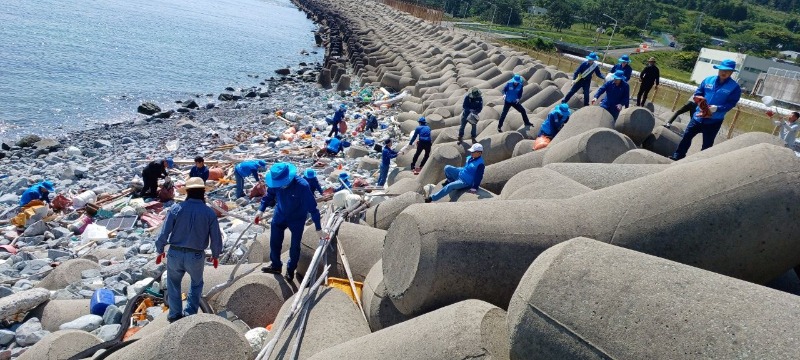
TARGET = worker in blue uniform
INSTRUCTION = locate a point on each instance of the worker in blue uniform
(38, 191)
(292, 201)
(618, 94)
(721, 93)
(469, 176)
(245, 169)
(512, 95)
(582, 78)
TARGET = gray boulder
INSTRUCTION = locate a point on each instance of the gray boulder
(22, 302)
(30, 333)
(85, 323)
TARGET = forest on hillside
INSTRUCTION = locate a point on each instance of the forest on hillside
(762, 27)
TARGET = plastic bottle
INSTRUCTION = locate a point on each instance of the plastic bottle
(86, 197)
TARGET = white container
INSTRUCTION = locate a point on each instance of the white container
(86, 197)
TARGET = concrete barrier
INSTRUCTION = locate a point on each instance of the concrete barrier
(587, 299)
(428, 252)
(470, 329)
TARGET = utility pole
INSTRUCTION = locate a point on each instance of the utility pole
(647, 22)
(610, 37)
(493, 12)
(699, 21)
(510, 10)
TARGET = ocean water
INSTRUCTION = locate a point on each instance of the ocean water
(68, 65)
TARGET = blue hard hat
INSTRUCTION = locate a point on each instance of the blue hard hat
(280, 174)
(726, 64)
(48, 185)
(310, 173)
(619, 75)
(625, 58)
(343, 107)
(422, 120)
(593, 57)
(170, 163)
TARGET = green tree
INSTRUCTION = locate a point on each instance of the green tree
(694, 42)
(793, 25)
(748, 42)
(630, 32)
(560, 14)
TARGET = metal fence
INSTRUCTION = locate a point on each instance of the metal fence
(740, 120)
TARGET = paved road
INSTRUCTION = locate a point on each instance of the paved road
(620, 52)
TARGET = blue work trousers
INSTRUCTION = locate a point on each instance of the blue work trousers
(709, 131)
(179, 263)
(239, 185)
(464, 122)
(383, 174)
(612, 109)
(451, 173)
(516, 106)
(585, 85)
(276, 243)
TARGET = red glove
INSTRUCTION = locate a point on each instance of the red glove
(257, 220)
(215, 261)
(159, 258)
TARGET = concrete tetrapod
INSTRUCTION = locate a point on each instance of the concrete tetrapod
(213, 277)
(735, 143)
(635, 122)
(583, 120)
(333, 318)
(470, 329)
(23, 301)
(363, 246)
(598, 145)
(642, 156)
(598, 176)
(429, 253)
(66, 273)
(447, 154)
(584, 299)
(61, 345)
(379, 309)
(255, 298)
(56, 312)
(662, 141)
(382, 215)
(496, 175)
(201, 336)
(541, 183)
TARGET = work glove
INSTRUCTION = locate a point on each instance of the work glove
(322, 234)
(594, 101)
(473, 191)
(516, 102)
(619, 107)
(712, 108)
(215, 261)
(159, 258)
(258, 217)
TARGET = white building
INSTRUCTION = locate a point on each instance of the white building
(790, 54)
(536, 10)
(782, 85)
(750, 67)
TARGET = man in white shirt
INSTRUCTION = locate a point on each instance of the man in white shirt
(788, 129)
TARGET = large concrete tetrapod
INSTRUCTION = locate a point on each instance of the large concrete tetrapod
(255, 298)
(201, 336)
(541, 183)
(62, 344)
(496, 175)
(363, 246)
(584, 299)
(597, 145)
(736, 216)
(382, 215)
(470, 329)
(583, 120)
(598, 176)
(642, 156)
(379, 309)
(333, 318)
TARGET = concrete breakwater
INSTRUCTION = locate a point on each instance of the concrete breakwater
(595, 232)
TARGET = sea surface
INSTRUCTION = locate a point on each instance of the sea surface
(68, 65)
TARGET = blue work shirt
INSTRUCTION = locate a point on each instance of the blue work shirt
(387, 155)
(512, 92)
(472, 172)
(190, 225)
(199, 172)
(615, 95)
(625, 69)
(292, 203)
(724, 95)
(424, 133)
(472, 104)
(553, 124)
(338, 116)
(335, 146)
(247, 168)
(313, 184)
(372, 122)
(33, 193)
(582, 68)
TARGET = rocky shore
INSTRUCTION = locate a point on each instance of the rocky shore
(597, 246)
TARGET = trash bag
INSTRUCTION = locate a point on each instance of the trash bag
(220, 204)
(541, 142)
(94, 232)
(342, 127)
(258, 191)
(166, 194)
(472, 119)
(60, 202)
